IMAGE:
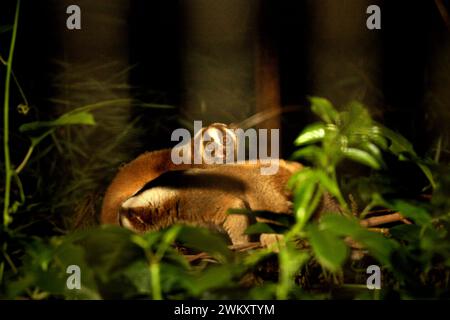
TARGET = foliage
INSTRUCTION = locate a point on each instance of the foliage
(314, 259)
(116, 263)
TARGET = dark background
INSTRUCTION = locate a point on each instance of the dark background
(411, 35)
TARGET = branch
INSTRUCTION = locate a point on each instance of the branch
(389, 218)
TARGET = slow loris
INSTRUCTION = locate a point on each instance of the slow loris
(151, 193)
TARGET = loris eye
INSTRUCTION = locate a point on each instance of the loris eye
(210, 146)
(229, 142)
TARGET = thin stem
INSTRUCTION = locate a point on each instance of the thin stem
(25, 160)
(22, 93)
(437, 155)
(20, 187)
(367, 209)
(2, 270)
(10, 262)
(339, 196)
(284, 282)
(8, 169)
(155, 281)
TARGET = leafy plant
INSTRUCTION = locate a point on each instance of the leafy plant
(313, 259)
(352, 134)
(119, 264)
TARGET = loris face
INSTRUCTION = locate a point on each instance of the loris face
(218, 144)
(147, 210)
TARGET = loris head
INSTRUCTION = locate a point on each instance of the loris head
(150, 165)
(214, 144)
(218, 144)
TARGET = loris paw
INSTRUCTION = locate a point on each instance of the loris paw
(272, 241)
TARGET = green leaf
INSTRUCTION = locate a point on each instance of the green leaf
(376, 243)
(310, 153)
(174, 277)
(329, 250)
(324, 109)
(303, 196)
(45, 265)
(361, 156)
(255, 257)
(6, 28)
(427, 172)
(260, 227)
(374, 151)
(418, 214)
(80, 118)
(356, 119)
(282, 219)
(404, 150)
(375, 135)
(168, 239)
(146, 240)
(139, 275)
(379, 247)
(36, 140)
(213, 277)
(204, 240)
(399, 144)
(340, 225)
(329, 184)
(109, 249)
(406, 232)
(311, 134)
(290, 260)
(301, 177)
(273, 222)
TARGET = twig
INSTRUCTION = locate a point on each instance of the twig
(357, 249)
(245, 246)
(380, 211)
(199, 256)
(389, 218)
(384, 231)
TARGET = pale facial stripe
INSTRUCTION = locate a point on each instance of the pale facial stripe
(151, 197)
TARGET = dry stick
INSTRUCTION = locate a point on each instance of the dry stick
(384, 231)
(376, 221)
(368, 223)
(199, 256)
(245, 246)
(381, 211)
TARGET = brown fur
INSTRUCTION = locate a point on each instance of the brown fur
(131, 178)
(145, 168)
(151, 193)
(203, 196)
